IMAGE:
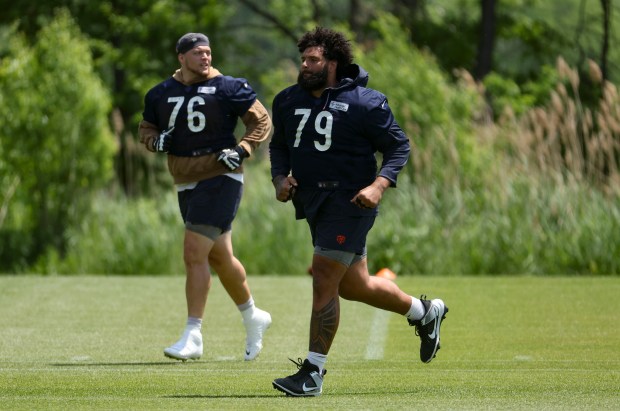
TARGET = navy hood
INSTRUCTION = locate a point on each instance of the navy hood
(352, 75)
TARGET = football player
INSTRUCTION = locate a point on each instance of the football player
(191, 117)
(327, 129)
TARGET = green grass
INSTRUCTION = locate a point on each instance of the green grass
(94, 342)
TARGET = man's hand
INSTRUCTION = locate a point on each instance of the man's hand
(232, 157)
(285, 187)
(163, 142)
(370, 196)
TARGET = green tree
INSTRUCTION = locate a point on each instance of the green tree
(56, 144)
(132, 43)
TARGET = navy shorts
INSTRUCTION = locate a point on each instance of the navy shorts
(335, 223)
(341, 233)
(213, 202)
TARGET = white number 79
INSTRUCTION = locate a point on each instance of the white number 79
(325, 130)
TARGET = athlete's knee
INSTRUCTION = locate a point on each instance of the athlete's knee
(326, 276)
(196, 248)
(193, 255)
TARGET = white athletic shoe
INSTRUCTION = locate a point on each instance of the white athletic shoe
(255, 328)
(189, 347)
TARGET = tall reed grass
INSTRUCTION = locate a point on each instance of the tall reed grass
(545, 202)
(567, 141)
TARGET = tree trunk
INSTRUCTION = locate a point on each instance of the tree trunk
(356, 16)
(484, 62)
(408, 11)
(606, 5)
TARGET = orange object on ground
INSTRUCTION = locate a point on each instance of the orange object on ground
(386, 273)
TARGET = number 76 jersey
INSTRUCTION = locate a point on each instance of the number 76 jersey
(204, 114)
(331, 141)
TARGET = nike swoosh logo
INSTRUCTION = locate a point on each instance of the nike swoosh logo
(247, 352)
(313, 375)
(434, 333)
(306, 389)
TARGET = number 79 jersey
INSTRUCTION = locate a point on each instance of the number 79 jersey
(331, 141)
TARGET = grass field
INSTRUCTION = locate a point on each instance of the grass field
(94, 342)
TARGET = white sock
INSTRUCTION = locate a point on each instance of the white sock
(417, 311)
(317, 359)
(194, 322)
(247, 309)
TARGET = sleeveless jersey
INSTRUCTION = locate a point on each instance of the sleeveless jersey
(204, 115)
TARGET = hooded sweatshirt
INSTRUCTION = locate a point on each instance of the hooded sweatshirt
(329, 143)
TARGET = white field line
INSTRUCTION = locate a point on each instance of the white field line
(377, 335)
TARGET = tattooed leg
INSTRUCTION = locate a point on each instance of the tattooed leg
(323, 326)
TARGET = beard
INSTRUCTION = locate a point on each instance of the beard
(315, 81)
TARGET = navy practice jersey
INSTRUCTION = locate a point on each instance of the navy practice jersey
(334, 138)
(204, 115)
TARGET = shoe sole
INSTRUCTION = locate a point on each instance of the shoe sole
(438, 345)
(293, 394)
(180, 358)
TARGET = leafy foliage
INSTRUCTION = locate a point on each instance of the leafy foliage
(436, 114)
(56, 143)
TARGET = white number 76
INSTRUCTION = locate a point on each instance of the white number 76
(193, 116)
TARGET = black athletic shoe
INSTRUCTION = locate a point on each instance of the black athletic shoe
(428, 327)
(305, 383)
